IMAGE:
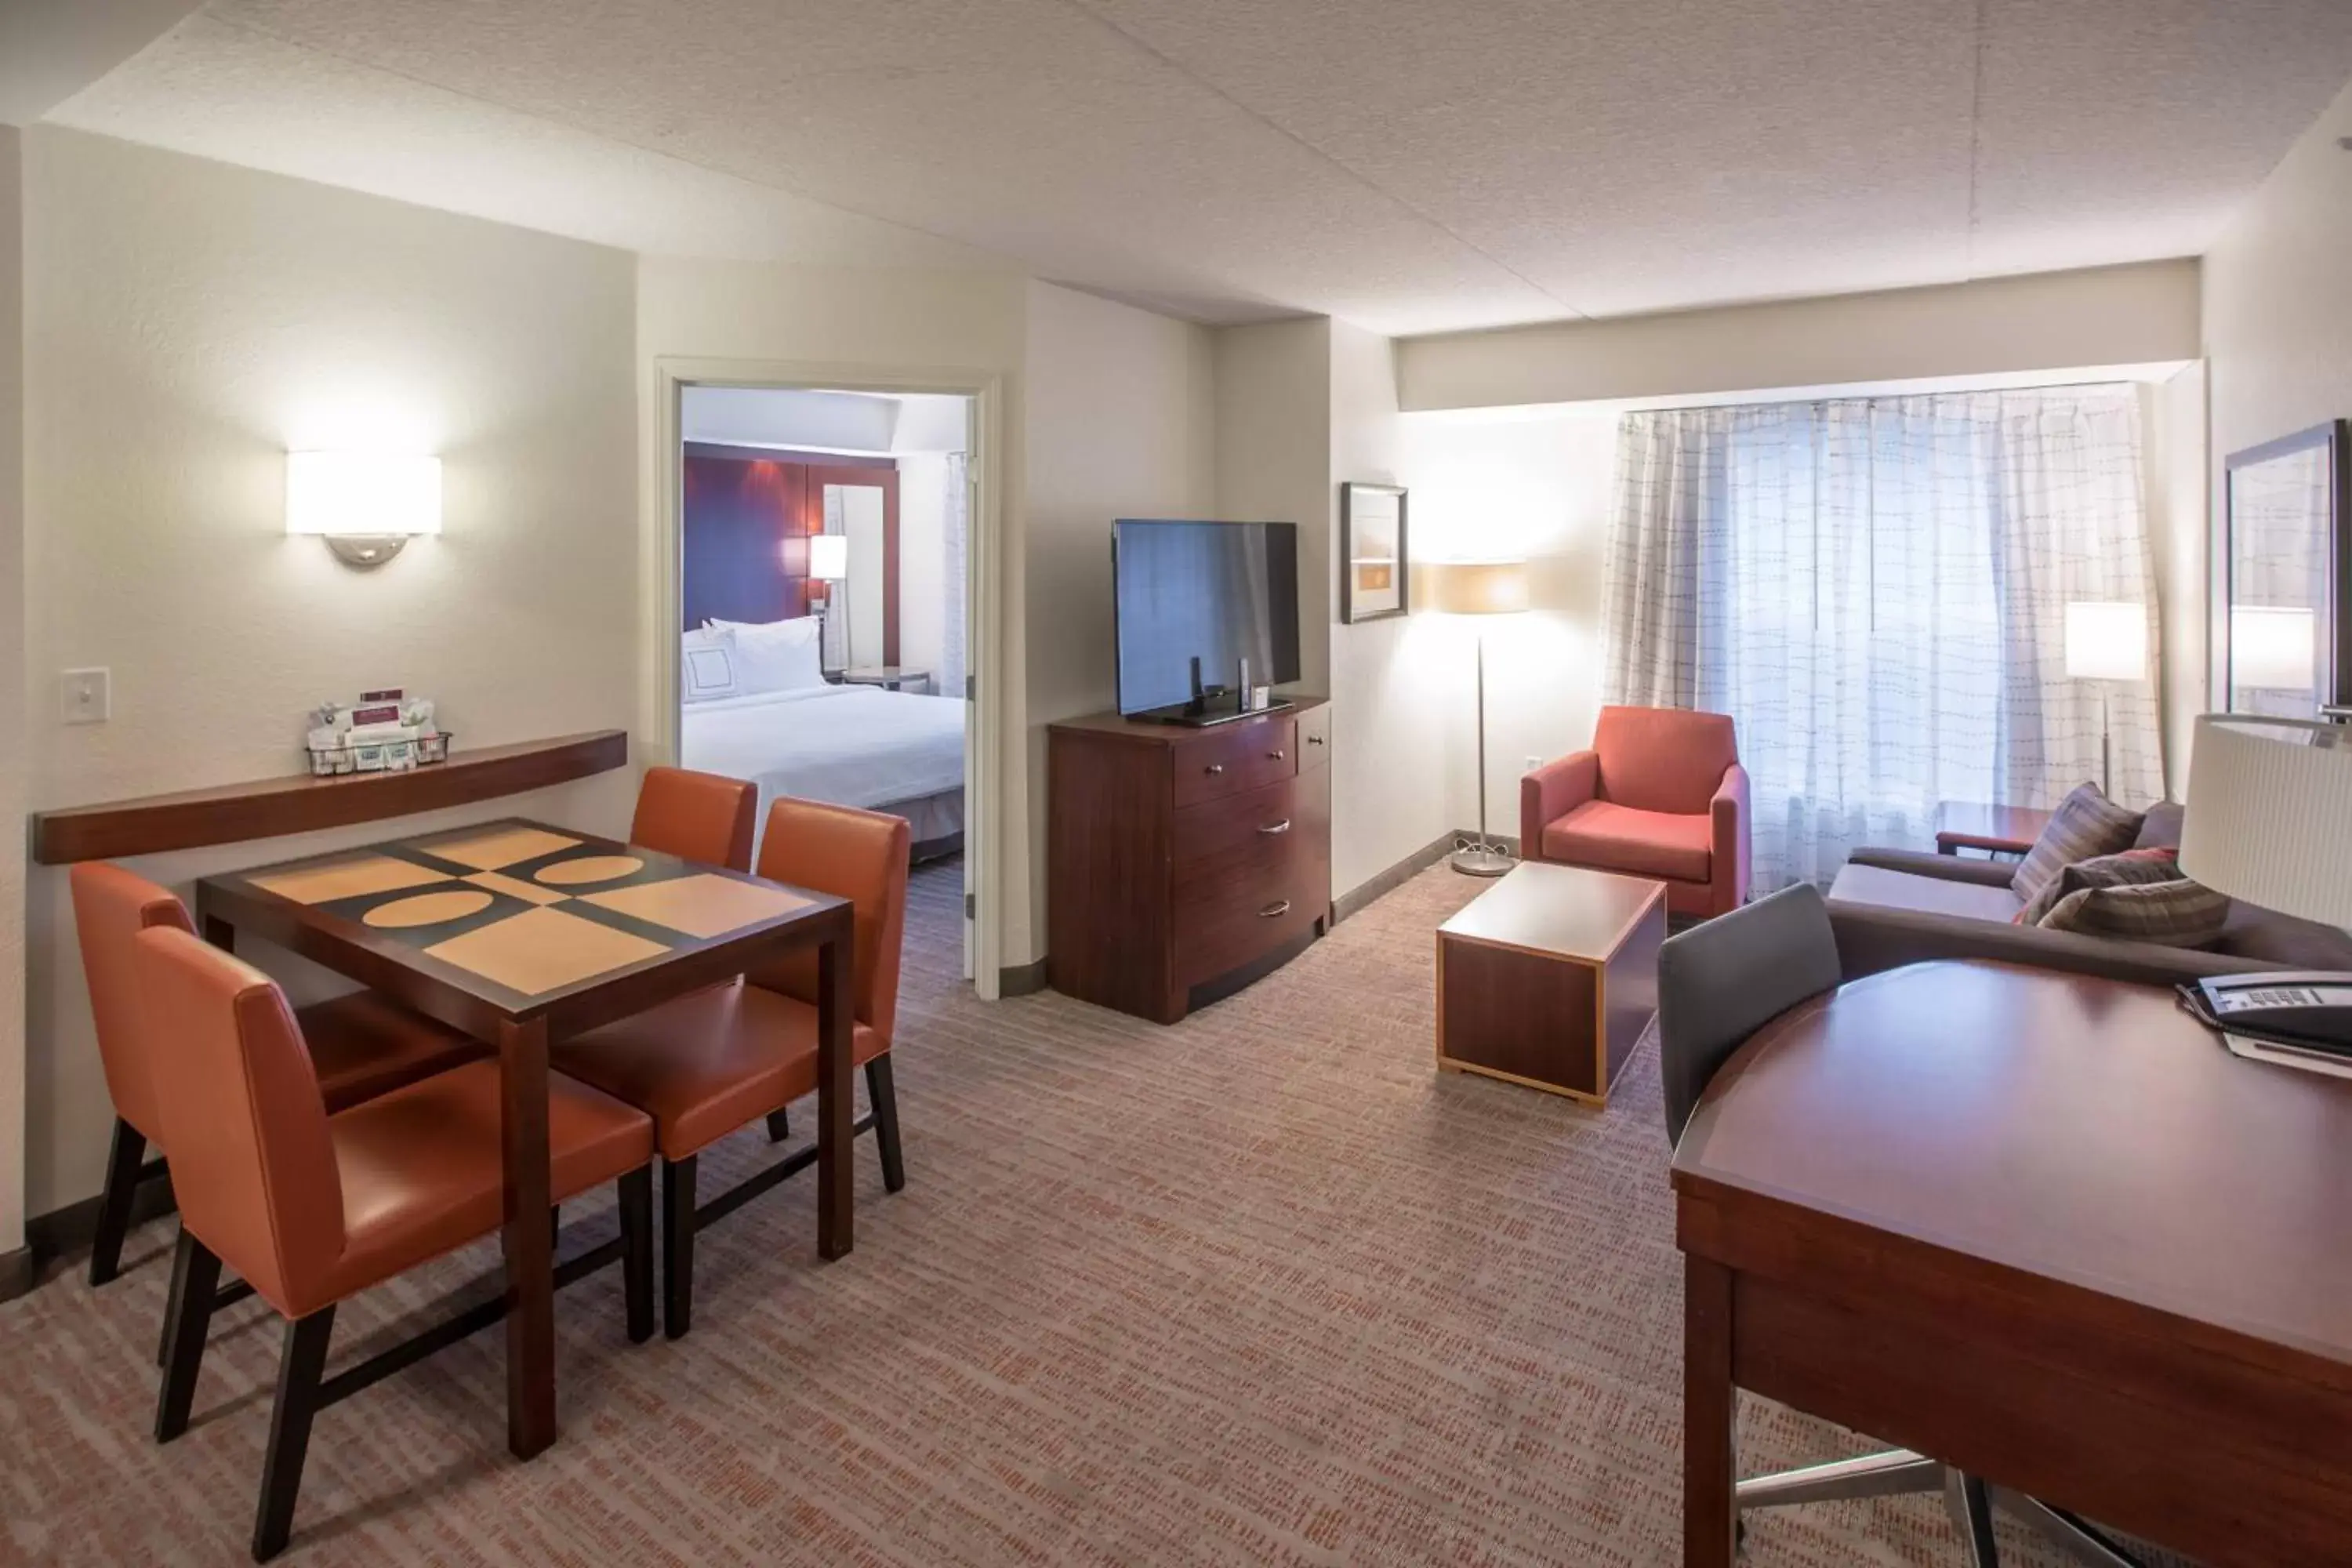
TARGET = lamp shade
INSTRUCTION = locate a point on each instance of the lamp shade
(363, 495)
(829, 557)
(2275, 650)
(1477, 587)
(2269, 814)
(2106, 641)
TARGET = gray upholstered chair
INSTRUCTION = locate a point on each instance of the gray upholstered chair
(1718, 984)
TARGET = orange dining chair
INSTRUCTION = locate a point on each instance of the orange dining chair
(362, 1045)
(697, 817)
(312, 1209)
(704, 1065)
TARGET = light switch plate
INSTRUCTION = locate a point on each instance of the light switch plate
(87, 695)
(1534, 762)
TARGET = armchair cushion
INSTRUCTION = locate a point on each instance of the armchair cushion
(1612, 837)
(1663, 758)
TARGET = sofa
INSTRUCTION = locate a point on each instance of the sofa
(1893, 907)
(1661, 795)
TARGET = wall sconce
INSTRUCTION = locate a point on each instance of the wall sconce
(364, 505)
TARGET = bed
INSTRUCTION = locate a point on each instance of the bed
(851, 746)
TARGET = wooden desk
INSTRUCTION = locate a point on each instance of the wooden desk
(1996, 829)
(2040, 1227)
(521, 934)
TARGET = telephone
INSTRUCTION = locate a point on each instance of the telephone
(2308, 1010)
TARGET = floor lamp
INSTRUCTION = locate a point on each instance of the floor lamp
(2106, 641)
(1480, 588)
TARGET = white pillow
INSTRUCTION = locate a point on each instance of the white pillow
(781, 655)
(707, 667)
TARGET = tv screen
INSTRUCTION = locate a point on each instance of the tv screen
(1215, 592)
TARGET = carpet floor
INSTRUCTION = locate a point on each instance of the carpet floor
(1263, 1288)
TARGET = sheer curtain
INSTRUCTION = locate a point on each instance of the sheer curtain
(1874, 589)
(957, 525)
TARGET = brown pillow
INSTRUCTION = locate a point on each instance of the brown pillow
(2179, 913)
(2085, 826)
(2130, 867)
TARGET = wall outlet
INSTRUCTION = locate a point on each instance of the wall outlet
(88, 695)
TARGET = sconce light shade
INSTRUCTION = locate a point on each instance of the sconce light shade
(364, 505)
(829, 557)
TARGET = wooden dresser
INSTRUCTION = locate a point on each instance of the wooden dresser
(1182, 864)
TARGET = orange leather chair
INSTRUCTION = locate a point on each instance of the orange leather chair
(361, 1045)
(1661, 795)
(697, 817)
(720, 1059)
(312, 1207)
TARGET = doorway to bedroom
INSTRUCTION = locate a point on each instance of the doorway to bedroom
(826, 606)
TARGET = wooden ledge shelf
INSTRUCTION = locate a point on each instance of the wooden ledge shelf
(301, 802)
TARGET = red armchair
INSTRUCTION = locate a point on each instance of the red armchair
(1660, 795)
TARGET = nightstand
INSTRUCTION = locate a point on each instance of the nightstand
(890, 676)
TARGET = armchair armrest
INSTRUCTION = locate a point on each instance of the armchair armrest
(1551, 792)
(1728, 813)
(1943, 868)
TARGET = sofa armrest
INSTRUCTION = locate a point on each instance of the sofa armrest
(1943, 868)
(1872, 936)
(1551, 792)
(1730, 812)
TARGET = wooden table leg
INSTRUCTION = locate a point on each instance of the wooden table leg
(1710, 1520)
(835, 1145)
(530, 1248)
(220, 934)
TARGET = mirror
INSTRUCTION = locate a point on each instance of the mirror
(855, 637)
(2284, 586)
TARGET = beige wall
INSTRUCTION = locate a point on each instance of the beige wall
(187, 323)
(2173, 424)
(12, 690)
(2058, 321)
(1273, 444)
(2278, 316)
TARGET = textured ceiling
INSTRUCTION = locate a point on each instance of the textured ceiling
(1407, 164)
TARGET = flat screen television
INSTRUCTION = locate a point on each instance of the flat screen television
(1195, 604)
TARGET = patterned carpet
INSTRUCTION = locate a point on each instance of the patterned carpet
(1260, 1289)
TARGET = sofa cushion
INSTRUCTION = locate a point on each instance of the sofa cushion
(2178, 913)
(2126, 868)
(1663, 758)
(2269, 937)
(2085, 826)
(1925, 895)
(2160, 828)
(1607, 836)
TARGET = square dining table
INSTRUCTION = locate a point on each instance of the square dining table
(520, 934)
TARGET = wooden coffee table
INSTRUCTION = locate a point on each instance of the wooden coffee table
(1550, 978)
(1995, 830)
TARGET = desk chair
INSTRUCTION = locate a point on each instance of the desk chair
(1718, 984)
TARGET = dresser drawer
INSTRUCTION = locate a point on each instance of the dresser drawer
(1255, 822)
(1243, 755)
(1249, 904)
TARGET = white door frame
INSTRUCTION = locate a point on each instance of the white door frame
(984, 564)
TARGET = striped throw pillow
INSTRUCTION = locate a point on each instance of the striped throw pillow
(2179, 913)
(2085, 826)
(2129, 869)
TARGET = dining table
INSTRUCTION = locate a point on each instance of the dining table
(521, 934)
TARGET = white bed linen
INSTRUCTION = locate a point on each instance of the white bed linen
(850, 746)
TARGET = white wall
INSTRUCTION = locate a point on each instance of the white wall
(788, 416)
(187, 322)
(12, 690)
(2108, 316)
(1536, 488)
(922, 561)
(2278, 319)
(2173, 424)
(1273, 459)
(1120, 425)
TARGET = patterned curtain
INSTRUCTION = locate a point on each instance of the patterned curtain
(1876, 589)
(955, 529)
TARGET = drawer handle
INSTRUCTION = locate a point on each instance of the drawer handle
(1275, 755)
(1314, 740)
(1273, 911)
(1273, 829)
(1213, 769)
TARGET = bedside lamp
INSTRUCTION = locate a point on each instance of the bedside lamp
(367, 507)
(829, 563)
(2106, 641)
(1479, 588)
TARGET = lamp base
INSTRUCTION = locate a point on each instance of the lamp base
(1480, 858)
